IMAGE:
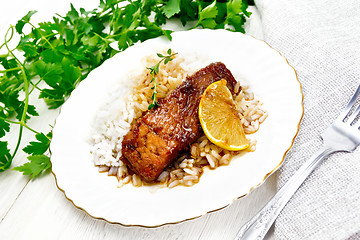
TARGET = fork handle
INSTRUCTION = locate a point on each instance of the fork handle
(260, 224)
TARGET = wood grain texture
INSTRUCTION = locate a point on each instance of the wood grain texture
(39, 210)
(42, 212)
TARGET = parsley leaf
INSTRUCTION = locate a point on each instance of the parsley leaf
(31, 111)
(20, 24)
(39, 147)
(171, 8)
(209, 12)
(4, 127)
(234, 18)
(207, 16)
(38, 164)
(49, 72)
(5, 157)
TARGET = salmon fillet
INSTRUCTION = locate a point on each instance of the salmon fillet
(156, 139)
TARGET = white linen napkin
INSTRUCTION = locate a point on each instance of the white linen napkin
(321, 40)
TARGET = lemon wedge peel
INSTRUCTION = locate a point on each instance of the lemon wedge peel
(219, 119)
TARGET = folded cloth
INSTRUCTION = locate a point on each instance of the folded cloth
(321, 40)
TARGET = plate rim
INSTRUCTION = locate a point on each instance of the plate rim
(267, 175)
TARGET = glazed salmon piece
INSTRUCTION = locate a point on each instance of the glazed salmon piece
(157, 138)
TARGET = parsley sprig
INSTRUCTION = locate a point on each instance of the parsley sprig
(154, 70)
(52, 58)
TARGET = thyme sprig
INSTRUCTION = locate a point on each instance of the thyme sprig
(154, 70)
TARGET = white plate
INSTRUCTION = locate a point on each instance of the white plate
(270, 77)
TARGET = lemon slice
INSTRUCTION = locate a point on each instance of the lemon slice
(219, 119)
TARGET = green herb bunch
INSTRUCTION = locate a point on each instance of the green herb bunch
(52, 58)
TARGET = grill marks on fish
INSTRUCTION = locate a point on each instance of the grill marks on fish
(157, 137)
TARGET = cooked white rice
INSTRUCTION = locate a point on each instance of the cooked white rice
(114, 119)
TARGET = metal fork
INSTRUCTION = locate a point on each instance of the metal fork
(342, 136)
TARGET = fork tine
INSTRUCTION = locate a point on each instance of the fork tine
(346, 111)
(354, 115)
